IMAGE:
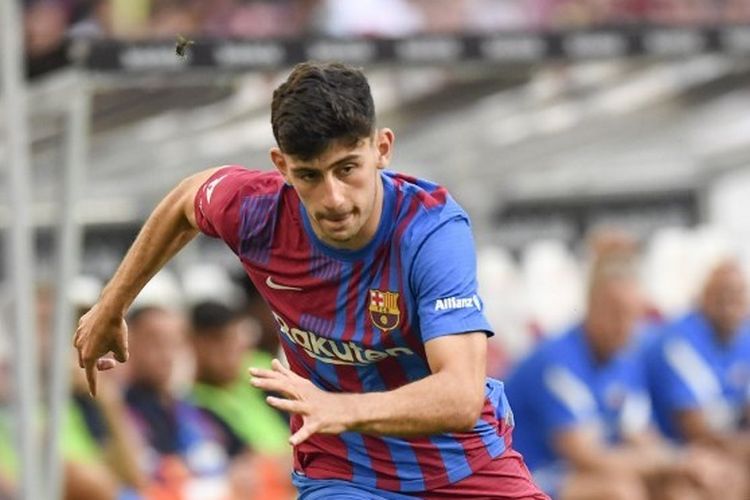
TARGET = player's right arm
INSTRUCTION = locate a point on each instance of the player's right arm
(168, 229)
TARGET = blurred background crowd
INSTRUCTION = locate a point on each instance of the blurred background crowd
(173, 423)
(608, 200)
(51, 23)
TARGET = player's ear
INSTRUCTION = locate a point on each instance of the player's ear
(279, 161)
(384, 142)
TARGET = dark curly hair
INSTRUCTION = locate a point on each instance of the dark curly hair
(318, 104)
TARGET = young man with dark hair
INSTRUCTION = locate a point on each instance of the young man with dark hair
(370, 276)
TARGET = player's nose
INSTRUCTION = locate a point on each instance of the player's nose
(333, 195)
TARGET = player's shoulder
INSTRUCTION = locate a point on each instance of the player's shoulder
(423, 206)
(427, 197)
(247, 179)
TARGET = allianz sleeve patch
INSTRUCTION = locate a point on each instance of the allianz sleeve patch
(450, 303)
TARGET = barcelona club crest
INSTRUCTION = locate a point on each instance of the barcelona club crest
(384, 310)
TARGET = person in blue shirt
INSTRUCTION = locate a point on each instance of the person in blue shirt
(699, 368)
(582, 409)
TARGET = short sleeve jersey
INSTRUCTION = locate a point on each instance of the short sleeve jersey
(689, 368)
(357, 321)
(561, 386)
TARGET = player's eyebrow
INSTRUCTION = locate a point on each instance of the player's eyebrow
(345, 159)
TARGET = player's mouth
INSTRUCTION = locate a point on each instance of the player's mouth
(336, 219)
(338, 224)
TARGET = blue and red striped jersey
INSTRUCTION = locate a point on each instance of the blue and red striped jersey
(357, 320)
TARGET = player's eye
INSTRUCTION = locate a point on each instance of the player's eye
(347, 169)
(307, 176)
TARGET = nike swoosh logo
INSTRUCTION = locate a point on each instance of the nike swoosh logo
(210, 188)
(276, 286)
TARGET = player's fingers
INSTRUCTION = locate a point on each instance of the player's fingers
(120, 349)
(282, 370)
(104, 364)
(271, 385)
(287, 405)
(91, 377)
(301, 435)
(262, 373)
(278, 366)
(80, 357)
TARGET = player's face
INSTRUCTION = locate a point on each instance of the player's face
(341, 189)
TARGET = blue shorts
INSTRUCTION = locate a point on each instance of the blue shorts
(337, 489)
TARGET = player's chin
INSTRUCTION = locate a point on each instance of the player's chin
(340, 236)
(339, 232)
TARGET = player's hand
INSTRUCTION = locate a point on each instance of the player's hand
(98, 334)
(321, 411)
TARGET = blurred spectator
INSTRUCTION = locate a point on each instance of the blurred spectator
(46, 23)
(221, 388)
(376, 18)
(736, 11)
(185, 449)
(582, 410)
(172, 17)
(699, 369)
(220, 342)
(266, 19)
(97, 439)
(120, 18)
(441, 16)
(46, 27)
(101, 18)
(98, 442)
(683, 11)
(486, 16)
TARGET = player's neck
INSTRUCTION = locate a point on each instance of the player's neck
(370, 229)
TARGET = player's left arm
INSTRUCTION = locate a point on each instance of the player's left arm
(448, 400)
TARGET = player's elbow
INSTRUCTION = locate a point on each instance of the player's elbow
(467, 413)
(464, 424)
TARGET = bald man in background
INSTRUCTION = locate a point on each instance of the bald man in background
(699, 369)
